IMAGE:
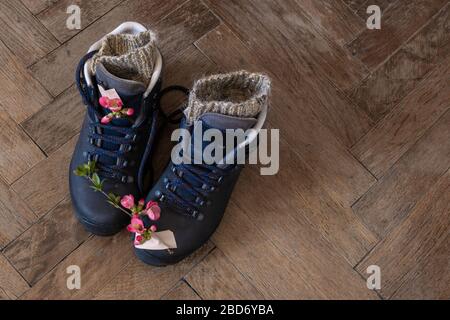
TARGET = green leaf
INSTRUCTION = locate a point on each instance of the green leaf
(92, 165)
(112, 203)
(80, 171)
(114, 199)
(95, 188)
(96, 180)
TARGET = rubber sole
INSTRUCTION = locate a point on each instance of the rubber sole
(149, 259)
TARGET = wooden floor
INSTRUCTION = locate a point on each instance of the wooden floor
(365, 151)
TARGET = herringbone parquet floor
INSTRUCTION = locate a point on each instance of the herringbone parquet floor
(365, 151)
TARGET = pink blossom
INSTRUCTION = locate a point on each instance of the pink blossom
(141, 202)
(153, 228)
(104, 102)
(153, 210)
(138, 239)
(136, 225)
(115, 105)
(105, 120)
(130, 111)
(127, 201)
(150, 204)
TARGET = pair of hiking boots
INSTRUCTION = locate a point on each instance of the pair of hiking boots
(120, 83)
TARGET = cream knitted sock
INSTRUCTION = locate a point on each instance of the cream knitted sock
(240, 94)
(128, 56)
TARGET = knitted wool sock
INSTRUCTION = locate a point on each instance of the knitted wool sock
(128, 56)
(239, 94)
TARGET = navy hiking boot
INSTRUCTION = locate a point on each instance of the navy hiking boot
(193, 197)
(119, 81)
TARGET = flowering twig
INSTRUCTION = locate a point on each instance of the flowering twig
(126, 204)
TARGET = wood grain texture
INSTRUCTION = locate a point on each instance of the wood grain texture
(305, 202)
(195, 65)
(55, 17)
(15, 216)
(333, 18)
(429, 278)
(19, 153)
(217, 278)
(390, 201)
(329, 106)
(395, 79)
(384, 5)
(36, 6)
(53, 176)
(62, 62)
(57, 122)
(138, 279)
(402, 20)
(12, 284)
(181, 292)
(399, 130)
(409, 245)
(344, 124)
(346, 178)
(184, 26)
(277, 277)
(354, 4)
(272, 28)
(46, 243)
(23, 34)
(280, 264)
(99, 259)
(21, 94)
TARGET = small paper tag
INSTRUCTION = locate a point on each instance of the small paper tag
(110, 93)
(159, 241)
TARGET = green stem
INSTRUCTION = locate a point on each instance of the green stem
(118, 207)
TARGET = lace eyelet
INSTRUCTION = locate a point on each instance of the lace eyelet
(171, 187)
(127, 179)
(199, 201)
(199, 216)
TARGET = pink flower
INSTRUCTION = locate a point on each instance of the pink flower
(153, 210)
(130, 111)
(127, 201)
(104, 102)
(153, 228)
(141, 203)
(136, 225)
(105, 120)
(115, 105)
(138, 239)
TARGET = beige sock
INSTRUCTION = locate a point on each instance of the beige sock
(128, 56)
(240, 94)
